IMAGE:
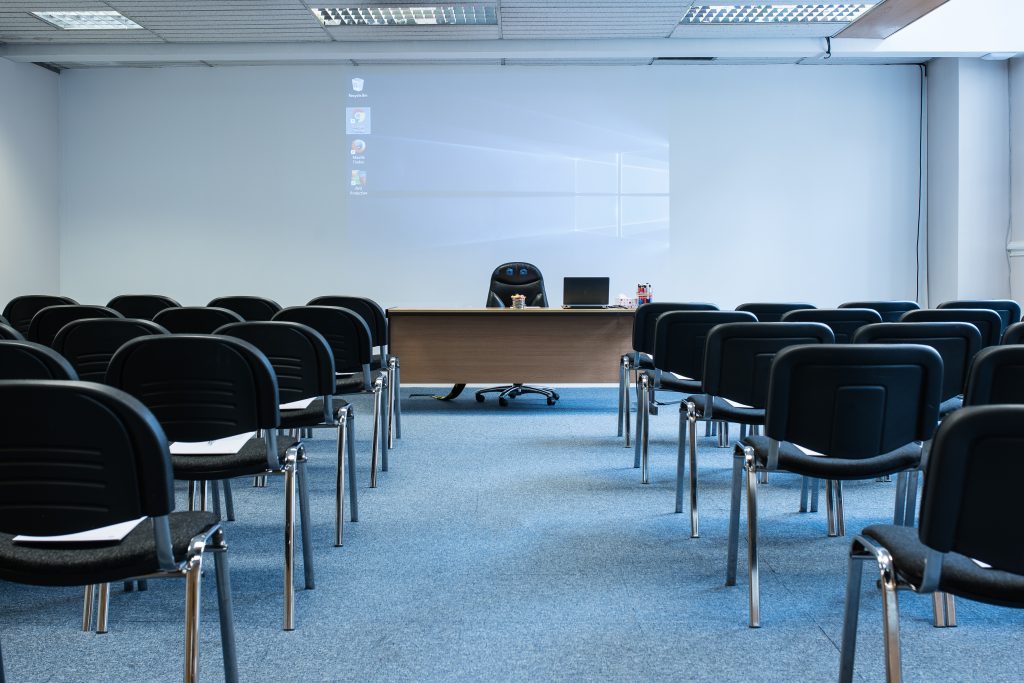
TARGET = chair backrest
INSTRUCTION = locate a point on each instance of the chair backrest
(997, 376)
(107, 463)
(20, 310)
(47, 323)
(345, 331)
(1008, 309)
(144, 306)
(844, 322)
(891, 311)
(738, 356)
(300, 356)
(200, 387)
(1014, 334)
(646, 316)
(28, 360)
(957, 343)
(854, 400)
(89, 344)
(516, 278)
(680, 338)
(971, 486)
(987, 321)
(251, 308)
(772, 312)
(368, 309)
(9, 333)
(195, 319)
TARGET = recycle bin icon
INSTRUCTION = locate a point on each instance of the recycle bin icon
(357, 85)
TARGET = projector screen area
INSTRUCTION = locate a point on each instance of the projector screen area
(409, 184)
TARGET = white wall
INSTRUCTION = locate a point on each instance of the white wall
(29, 181)
(786, 183)
(1016, 76)
(943, 179)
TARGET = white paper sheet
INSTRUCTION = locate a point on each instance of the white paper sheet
(114, 533)
(807, 451)
(298, 405)
(229, 444)
(735, 404)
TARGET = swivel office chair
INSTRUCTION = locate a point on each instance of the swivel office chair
(506, 280)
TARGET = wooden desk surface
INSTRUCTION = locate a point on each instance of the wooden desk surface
(494, 345)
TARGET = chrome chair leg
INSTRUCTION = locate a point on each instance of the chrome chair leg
(830, 506)
(289, 539)
(815, 485)
(224, 607)
(390, 410)
(375, 447)
(642, 425)
(215, 493)
(944, 610)
(723, 435)
(191, 496)
(910, 509)
(339, 490)
(87, 607)
(229, 500)
(734, 516)
(104, 608)
(304, 523)
(851, 614)
(804, 493)
(193, 579)
(900, 507)
(353, 491)
(750, 465)
(681, 456)
(398, 396)
(623, 374)
(840, 516)
(694, 521)
(626, 411)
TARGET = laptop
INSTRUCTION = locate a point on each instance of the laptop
(585, 292)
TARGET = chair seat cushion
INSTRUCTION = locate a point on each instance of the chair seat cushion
(960, 575)
(723, 410)
(950, 405)
(251, 459)
(792, 459)
(310, 416)
(672, 383)
(77, 566)
(349, 384)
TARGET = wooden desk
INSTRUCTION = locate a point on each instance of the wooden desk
(492, 345)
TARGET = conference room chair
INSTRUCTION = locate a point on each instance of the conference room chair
(645, 319)
(891, 311)
(835, 412)
(89, 344)
(251, 308)
(128, 477)
(349, 338)
(517, 278)
(20, 310)
(772, 312)
(207, 387)
(376, 319)
(964, 545)
(26, 360)
(1008, 309)
(9, 333)
(734, 385)
(144, 306)
(47, 322)
(304, 366)
(1014, 334)
(677, 361)
(996, 376)
(844, 322)
(987, 321)
(195, 319)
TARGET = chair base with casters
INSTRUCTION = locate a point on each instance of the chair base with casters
(507, 391)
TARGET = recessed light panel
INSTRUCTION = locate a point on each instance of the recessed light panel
(464, 14)
(777, 13)
(104, 20)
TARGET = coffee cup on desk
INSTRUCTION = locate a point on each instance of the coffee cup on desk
(518, 301)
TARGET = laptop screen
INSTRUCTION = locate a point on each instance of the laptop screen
(585, 291)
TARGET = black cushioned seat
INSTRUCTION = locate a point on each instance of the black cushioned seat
(772, 312)
(21, 309)
(723, 410)
(141, 306)
(250, 459)
(679, 384)
(133, 556)
(792, 459)
(297, 418)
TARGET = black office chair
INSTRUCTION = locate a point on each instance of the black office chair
(734, 385)
(349, 338)
(251, 308)
(996, 376)
(205, 387)
(89, 344)
(47, 322)
(1008, 309)
(20, 310)
(28, 360)
(304, 365)
(969, 509)
(678, 349)
(195, 319)
(127, 475)
(645, 318)
(376, 319)
(1014, 334)
(987, 321)
(891, 311)
(143, 306)
(772, 312)
(9, 333)
(844, 322)
(508, 279)
(859, 410)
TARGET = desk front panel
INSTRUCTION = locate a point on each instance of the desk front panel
(503, 345)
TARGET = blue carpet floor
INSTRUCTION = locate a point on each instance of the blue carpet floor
(517, 544)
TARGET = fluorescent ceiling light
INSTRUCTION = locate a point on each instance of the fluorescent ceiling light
(465, 14)
(104, 20)
(777, 13)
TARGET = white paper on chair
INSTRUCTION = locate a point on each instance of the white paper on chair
(678, 376)
(298, 405)
(807, 451)
(113, 533)
(229, 444)
(734, 404)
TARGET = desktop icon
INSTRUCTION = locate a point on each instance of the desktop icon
(357, 85)
(358, 181)
(357, 120)
(358, 147)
